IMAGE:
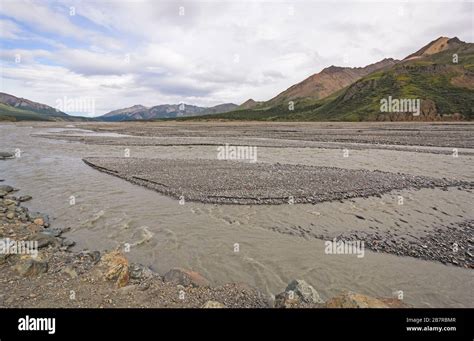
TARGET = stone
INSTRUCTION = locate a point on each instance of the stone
(31, 267)
(39, 221)
(305, 291)
(213, 304)
(6, 155)
(353, 300)
(10, 215)
(9, 202)
(44, 239)
(115, 268)
(24, 198)
(52, 232)
(6, 188)
(286, 300)
(68, 243)
(186, 278)
(138, 271)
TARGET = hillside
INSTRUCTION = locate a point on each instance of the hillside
(328, 81)
(14, 108)
(445, 90)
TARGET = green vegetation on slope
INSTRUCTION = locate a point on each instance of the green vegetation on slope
(9, 113)
(428, 78)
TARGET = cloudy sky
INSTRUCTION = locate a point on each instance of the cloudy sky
(123, 53)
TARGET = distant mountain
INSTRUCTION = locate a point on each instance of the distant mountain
(140, 112)
(249, 104)
(14, 108)
(328, 81)
(440, 75)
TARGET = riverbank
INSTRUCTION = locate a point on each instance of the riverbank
(39, 270)
(276, 243)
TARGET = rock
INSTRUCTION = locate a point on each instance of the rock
(116, 268)
(35, 217)
(31, 267)
(39, 221)
(186, 278)
(3, 193)
(68, 243)
(10, 215)
(6, 155)
(52, 232)
(353, 300)
(9, 202)
(305, 291)
(70, 271)
(287, 300)
(24, 198)
(6, 188)
(138, 271)
(213, 304)
(44, 239)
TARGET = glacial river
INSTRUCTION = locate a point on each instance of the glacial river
(109, 212)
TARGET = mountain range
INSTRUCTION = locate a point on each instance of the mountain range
(140, 112)
(440, 75)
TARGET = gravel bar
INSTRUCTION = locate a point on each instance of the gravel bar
(231, 182)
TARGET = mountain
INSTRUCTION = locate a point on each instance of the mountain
(328, 81)
(140, 112)
(440, 75)
(436, 46)
(249, 104)
(14, 108)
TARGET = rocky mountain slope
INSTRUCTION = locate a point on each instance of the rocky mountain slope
(140, 112)
(328, 81)
(440, 75)
(14, 108)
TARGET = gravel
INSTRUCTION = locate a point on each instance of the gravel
(231, 182)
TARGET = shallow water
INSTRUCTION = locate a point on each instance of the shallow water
(164, 234)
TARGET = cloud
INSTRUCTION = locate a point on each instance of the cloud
(151, 52)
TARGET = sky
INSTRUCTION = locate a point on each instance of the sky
(123, 53)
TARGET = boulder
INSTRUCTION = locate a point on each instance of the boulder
(304, 291)
(286, 300)
(6, 188)
(185, 278)
(31, 267)
(353, 300)
(138, 271)
(115, 267)
(24, 198)
(44, 239)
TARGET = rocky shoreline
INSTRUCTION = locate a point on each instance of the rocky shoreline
(54, 276)
(452, 244)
